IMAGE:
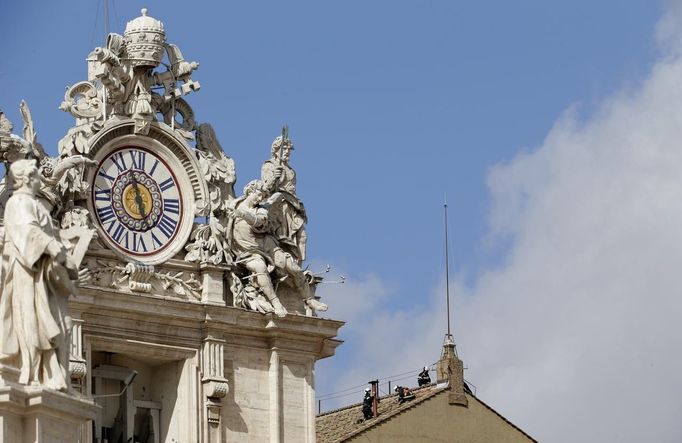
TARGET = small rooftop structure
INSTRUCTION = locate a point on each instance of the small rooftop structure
(477, 422)
(446, 411)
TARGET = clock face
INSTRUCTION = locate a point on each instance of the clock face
(137, 201)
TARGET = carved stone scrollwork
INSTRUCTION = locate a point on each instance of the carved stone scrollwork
(135, 277)
(81, 101)
(208, 242)
(139, 277)
(215, 389)
(78, 369)
(178, 114)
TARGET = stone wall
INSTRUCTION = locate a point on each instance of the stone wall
(436, 421)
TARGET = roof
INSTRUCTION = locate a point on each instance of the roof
(339, 425)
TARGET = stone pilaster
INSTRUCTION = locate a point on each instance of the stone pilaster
(77, 364)
(215, 386)
(276, 413)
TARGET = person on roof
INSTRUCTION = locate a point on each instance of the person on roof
(404, 394)
(367, 404)
(424, 378)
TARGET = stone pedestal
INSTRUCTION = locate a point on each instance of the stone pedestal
(34, 414)
(212, 284)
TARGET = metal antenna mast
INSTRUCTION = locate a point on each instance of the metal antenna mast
(106, 19)
(447, 264)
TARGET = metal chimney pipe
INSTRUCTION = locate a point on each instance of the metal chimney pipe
(375, 395)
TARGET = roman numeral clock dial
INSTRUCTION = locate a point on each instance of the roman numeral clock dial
(138, 202)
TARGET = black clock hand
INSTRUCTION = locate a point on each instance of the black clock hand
(138, 198)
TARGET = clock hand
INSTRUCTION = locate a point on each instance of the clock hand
(138, 198)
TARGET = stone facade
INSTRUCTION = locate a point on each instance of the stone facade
(214, 372)
(187, 314)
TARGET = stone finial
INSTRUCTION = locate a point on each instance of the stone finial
(145, 38)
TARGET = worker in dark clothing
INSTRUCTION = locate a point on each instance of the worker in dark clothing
(367, 404)
(424, 378)
(404, 394)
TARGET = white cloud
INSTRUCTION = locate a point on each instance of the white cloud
(577, 335)
(589, 300)
(380, 341)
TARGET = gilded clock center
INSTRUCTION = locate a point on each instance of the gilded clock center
(137, 201)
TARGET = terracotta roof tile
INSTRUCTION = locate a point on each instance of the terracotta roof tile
(340, 424)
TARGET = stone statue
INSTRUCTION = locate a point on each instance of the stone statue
(288, 216)
(37, 281)
(13, 147)
(249, 240)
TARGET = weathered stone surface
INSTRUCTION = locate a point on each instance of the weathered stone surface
(182, 333)
(30, 414)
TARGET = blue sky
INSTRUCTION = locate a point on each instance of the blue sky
(397, 102)
(392, 106)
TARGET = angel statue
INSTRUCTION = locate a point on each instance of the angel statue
(258, 250)
(250, 241)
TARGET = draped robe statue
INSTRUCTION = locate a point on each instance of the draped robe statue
(287, 213)
(36, 284)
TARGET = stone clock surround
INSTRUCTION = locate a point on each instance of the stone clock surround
(162, 141)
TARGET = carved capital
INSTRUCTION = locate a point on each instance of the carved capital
(215, 384)
(78, 369)
(215, 388)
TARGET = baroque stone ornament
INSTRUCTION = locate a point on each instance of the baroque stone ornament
(286, 209)
(175, 286)
(39, 275)
(138, 278)
(139, 168)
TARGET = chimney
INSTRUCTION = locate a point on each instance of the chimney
(375, 395)
(450, 369)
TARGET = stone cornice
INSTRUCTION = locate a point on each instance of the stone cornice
(160, 319)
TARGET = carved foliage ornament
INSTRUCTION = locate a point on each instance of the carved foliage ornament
(144, 279)
(127, 166)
